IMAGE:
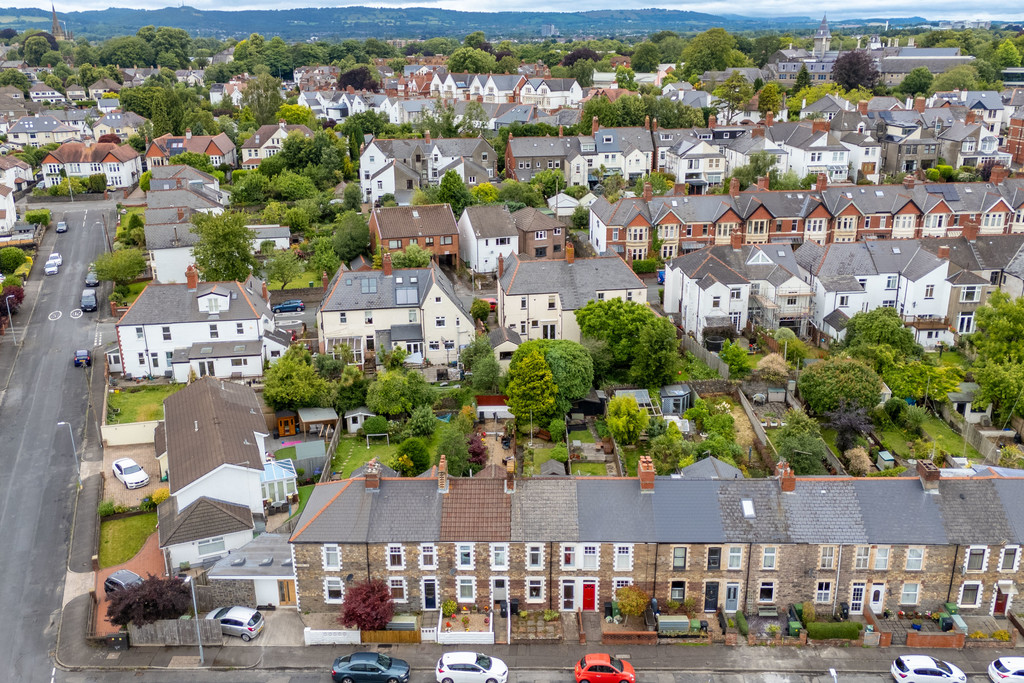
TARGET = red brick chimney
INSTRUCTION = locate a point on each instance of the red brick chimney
(822, 183)
(769, 118)
(560, 131)
(647, 122)
(862, 107)
(943, 252)
(654, 123)
(929, 474)
(386, 264)
(998, 175)
(265, 293)
(501, 265)
(969, 231)
(442, 474)
(594, 126)
(969, 118)
(192, 278)
(736, 239)
(712, 121)
(908, 181)
(787, 480)
(648, 192)
(645, 470)
(820, 126)
(734, 187)
(919, 104)
(325, 280)
(188, 133)
(762, 183)
(570, 256)
(426, 136)
(757, 131)
(372, 475)
(510, 475)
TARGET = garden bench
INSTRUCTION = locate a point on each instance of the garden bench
(767, 611)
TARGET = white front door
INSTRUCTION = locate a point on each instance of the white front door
(857, 598)
(569, 594)
(877, 600)
(499, 589)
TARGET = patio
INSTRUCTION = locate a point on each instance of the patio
(145, 456)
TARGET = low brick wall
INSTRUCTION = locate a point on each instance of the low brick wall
(884, 637)
(950, 639)
(781, 640)
(629, 638)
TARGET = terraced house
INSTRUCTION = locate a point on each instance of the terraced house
(907, 543)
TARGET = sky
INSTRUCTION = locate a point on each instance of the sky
(934, 9)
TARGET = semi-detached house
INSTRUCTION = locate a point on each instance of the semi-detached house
(121, 164)
(569, 543)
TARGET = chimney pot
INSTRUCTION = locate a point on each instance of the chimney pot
(188, 133)
(426, 136)
(386, 264)
(645, 471)
(734, 187)
(570, 255)
(787, 480)
(372, 475)
(510, 475)
(943, 252)
(654, 123)
(192, 278)
(647, 122)
(929, 474)
(908, 181)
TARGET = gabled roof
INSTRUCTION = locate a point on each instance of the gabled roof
(576, 283)
(430, 220)
(173, 303)
(368, 290)
(203, 518)
(490, 220)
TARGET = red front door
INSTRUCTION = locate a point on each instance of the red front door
(589, 595)
(1000, 609)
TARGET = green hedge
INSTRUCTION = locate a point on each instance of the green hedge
(823, 630)
(741, 624)
(645, 266)
(38, 217)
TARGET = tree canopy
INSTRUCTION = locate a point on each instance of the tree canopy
(224, 249)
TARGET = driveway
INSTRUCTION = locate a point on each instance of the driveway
(148, 561)
(284, 628)
(145, 455)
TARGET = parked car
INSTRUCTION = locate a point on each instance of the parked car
(925, 669)
(56, 258)
(470, 667)
(121, 579)
(244, 622)
(51, 268)
(603, 668)
(130, 473)
(62, 226)
(88, 301)
(1007, 670)
(83, 358)
(369, 667)
(491, 301)
(91, 279)
(290, 306)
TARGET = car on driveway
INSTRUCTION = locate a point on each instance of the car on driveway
(925, 669)
(51, 268)
(1007, 670)
(470, 667)
(130, 473)
(491, 301)
(121, 579)
(62, 226)
(83, 358)
(55, 257)
(290, 306)
(369, 667)
(603, 668)
(244, 622)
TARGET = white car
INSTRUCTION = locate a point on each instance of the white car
(51, 268)
(129, 473)
(925, 669)
(470, 667)
(1008, 669)
(56, 258)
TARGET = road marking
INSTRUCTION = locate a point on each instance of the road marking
(54, 316)
(287, 322)
(98, 339)
(76, 313)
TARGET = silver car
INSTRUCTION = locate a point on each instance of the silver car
(244, 622)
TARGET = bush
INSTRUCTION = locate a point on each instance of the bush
(38, 217)
(741, 624)
(891, 472)
(645, 266)
(147, 504)
(375, 425)
(106, 508)
(823, 630)
(419, 455)
(161, 494)
(557, 429)
(448, 608)
(551, 614)
(913, 417)
(858, 461)
(97, 182)
(1002, 635)
(894, 408)
(809, 614)
(560, 453)
(11, 258)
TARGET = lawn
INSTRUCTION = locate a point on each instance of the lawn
(630, 459)
(304, 493)
(122, 539)
(352, 452)
(829, 437)
(952, 358)
(942, 434)
(302, 281)
(134, 289)
(138, 404)
(583, 436)
(286, 453)
(589, 469)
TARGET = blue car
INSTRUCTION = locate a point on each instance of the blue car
(661, 276)
(290, 306)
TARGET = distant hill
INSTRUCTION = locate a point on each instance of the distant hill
(364, 22)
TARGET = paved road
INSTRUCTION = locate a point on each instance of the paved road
(39, 482)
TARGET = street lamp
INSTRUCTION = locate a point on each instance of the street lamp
(195, 610)
(7, 300)
(74, 450)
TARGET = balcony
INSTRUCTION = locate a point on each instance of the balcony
(926, 322)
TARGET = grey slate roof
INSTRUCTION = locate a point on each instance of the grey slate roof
(899, 512)
(711, 468)
(768, 525)
(576, 283)
(557, 499)
(837, 319)
(822, 511)
(492, 220)
(610, 512)
(173, 303)
(264, 546)
(687, 508)
(345, 293)
(973, 512)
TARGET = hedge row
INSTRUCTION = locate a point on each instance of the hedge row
(741, 624)
(645, 266)
(823, 630)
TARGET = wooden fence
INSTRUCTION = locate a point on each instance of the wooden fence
(176, 632)
(711, 359)
(409, 637)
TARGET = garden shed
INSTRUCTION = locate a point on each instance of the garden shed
(321, 418)
(676, 399)
(355, 418)
(285, 423)
(492, 408)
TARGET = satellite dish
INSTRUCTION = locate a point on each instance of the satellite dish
(452, 571)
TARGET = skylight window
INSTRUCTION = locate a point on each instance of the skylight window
(748, 508)
(896, 250)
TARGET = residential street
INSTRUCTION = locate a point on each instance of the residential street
(41, 387)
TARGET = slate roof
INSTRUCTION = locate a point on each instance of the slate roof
(532, 219)
(711, 468)
(768, 523)
(973, 512)
(203, 518)
(907, 257)
(255, 552)
(557, 498)
(499, 335)
(576, 283)
(476, 510)
(345, 292)
(837, 319)
(823, 511)
(173, 303)
(491, 220)
(39, 124)
(610, 512)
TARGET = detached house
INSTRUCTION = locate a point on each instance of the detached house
(486, 233)
(812, 148)
(103, 86)
(431, 227)
(36, 131)
(122, 124)
(551, 93)
(224, 329)
(218, 148)
(375, 311)
(40, 92)
(539, 299)
(121, 164)
(267, 141)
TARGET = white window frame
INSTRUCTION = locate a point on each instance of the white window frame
(1016, 558)
(458, 555)
(325, 551)
(499, 548)
(439, 321)
(567, 549)
(428, 550)
(881, 562)
(392, 547)
(461, 581)
(620, 582)
(761, 586)
(827, 557)
(216, 540)
(336, 581)
(539, 548)
(399, 582)
(623, 552)
(735, 553)
(904, 593)
(593, 551)
(984, 559)
(823, 597)
(536, 581)
(960, 597)
(915, 556)
(686, 552)
(769, 553)
(862, 557)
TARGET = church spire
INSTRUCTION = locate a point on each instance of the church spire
(57, 30)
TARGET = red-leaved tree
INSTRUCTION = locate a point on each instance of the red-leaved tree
(153, 599)
(110, 137)
(17, 295)
(367, 606)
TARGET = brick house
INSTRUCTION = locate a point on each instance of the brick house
(430, 226)
(219, 148)
(569, 543)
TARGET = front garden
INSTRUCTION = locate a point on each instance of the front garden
(122, 539)
(138, 403)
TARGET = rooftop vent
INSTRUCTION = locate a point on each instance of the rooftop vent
(238, 562)
(267, 562)
(896, 250)
(415, 214)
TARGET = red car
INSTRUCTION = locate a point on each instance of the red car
(603, 668)
(491, 301)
